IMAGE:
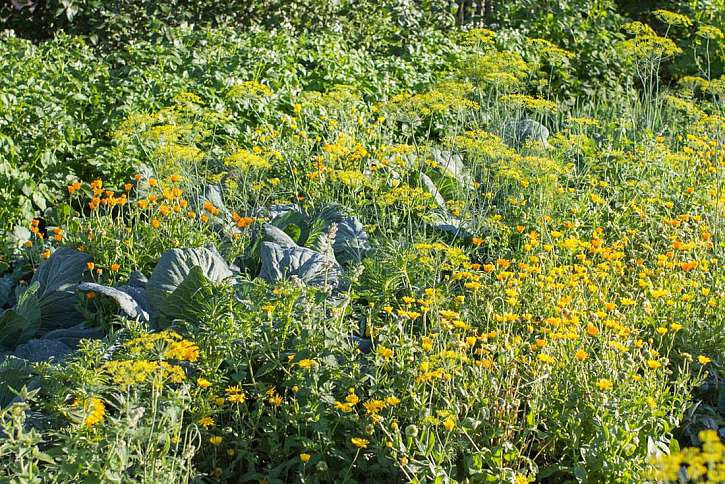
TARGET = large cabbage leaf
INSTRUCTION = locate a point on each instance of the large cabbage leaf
(451, 166)
(7, 284)
(183, 302)
(58, 278)
(311, 267)
(174, 268)
(22, 322)
(277, 235)
(128, 304)
(73, 335)
(42, 349)
(351, 243)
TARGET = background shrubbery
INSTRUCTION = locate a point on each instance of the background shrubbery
(506, 241)
(138, 54)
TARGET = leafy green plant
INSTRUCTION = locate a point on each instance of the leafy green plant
(49, 301)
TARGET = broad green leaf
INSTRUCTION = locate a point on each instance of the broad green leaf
(21, 323)
(175, 266)
(59, 277)
(311, 267)
(183, 303)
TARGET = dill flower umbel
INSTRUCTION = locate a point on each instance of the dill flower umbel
(249, 88)
(528, 102)
(246, 160)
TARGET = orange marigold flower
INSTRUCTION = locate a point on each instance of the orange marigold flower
(244, 222)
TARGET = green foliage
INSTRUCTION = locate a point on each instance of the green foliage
(523, 283)
(180, 274)
(48, 302)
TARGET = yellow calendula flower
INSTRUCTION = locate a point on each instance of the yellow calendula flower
(203, 382)
(392, 400)
(384, 352)
(207, 422)
(359, 442)
(544, 358)
(343, 407)
(307, 364)
(95, 410)
(605, 385)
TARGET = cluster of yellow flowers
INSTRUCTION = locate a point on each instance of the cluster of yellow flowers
(699, 464)
(126, 373)
(169, 344)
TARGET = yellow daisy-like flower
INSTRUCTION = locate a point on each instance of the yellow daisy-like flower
(392, 400)
(359, 442)
(94, 408)
(384, 352)
(203, 382)
(207, 422)
(307, 363)
(605, 385)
